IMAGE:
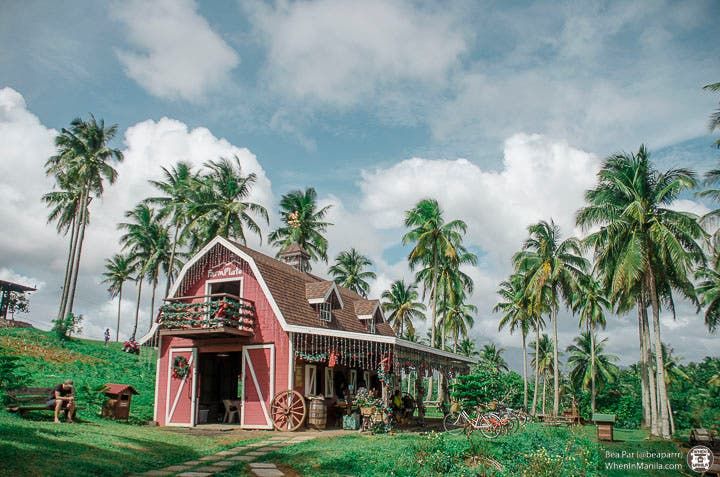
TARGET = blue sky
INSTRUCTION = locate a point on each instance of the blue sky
(502, 110)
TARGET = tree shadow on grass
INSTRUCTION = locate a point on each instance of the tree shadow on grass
(36, 451)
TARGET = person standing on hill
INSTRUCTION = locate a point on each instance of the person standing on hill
(107, 336)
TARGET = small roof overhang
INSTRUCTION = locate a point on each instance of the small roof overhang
(322, 291)
(14, 287)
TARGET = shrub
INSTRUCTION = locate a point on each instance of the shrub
(64, 327)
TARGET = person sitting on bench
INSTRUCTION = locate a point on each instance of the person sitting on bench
(63, 397)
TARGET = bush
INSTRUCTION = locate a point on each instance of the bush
(485, 385)
(64, 327)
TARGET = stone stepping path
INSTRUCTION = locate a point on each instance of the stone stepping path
(221, 461)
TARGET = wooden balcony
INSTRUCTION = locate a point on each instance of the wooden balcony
(219, 315)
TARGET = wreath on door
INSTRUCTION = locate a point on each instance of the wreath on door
(181, 367)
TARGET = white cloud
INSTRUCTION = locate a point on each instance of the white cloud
(176, 54)
(341, 52)
(539, 179)
(31, 249)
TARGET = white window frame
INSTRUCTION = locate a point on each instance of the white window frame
(325, 311)
(329, 382)
(366, 377)
(310, 380)
(371, 326)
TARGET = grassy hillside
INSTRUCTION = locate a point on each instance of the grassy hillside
(48, 361)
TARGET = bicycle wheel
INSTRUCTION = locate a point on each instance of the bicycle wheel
(487, 426)
(453, 421)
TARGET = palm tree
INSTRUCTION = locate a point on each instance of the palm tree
(303, 224)
(434, 240)
(589, 301)
(708, 289)
(673, 373)
(491, 357)
(148, 242)
(178, 187)
(590, 365)
(542, 359)
(553, 267)
(714, 117)
(516, 316)
(644, 250)
(118, 270)
(220, 205)
(458, 319)
(350, 271)
(467, 348)
(83, 157)
(64, 204)
(402, 306)
(452, 286)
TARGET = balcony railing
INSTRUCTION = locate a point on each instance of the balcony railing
(216, 311)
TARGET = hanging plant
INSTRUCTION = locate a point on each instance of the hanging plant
(181, 367)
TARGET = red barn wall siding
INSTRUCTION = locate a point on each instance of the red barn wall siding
(267, 330)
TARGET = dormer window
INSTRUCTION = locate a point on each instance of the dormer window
(325, 311)
(324, 297)
(369, 312)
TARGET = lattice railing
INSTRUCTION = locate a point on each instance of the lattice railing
(208, 311)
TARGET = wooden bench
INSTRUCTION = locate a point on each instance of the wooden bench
(29, 399)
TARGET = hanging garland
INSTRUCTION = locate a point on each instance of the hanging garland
(312, 357)
(181, 367)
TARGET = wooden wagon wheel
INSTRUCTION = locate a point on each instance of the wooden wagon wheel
(288, 410)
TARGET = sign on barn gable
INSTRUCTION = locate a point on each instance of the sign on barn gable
(225, 270)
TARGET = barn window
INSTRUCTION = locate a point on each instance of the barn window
(325, 311)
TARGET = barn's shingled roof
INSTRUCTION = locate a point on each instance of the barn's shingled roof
(290, 288)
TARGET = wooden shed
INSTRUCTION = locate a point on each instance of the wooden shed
(605, 424)
(119, 397)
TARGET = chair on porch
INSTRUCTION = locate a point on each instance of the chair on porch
(231, 411)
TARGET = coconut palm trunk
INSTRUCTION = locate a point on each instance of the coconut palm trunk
(644, 385)
(543, 393)
(659, 361)
(137, 307)
(68, 267)
(152, 300)
(117, 326)
(556, 367)
(171, 262)
(652, 387)
(525, 380)
(592, 367)
(78, 252)
(672, 419)
(537, 366)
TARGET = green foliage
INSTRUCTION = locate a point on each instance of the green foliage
(485, 384)
(64, 327)
(12, 374)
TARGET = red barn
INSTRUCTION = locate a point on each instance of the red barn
(239, 327)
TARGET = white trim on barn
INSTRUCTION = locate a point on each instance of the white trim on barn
(246, 360)
(192, 362)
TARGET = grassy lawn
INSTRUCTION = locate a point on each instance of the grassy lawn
(39, 448)
(572, 452)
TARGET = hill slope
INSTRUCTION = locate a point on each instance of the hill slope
(48, 361)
